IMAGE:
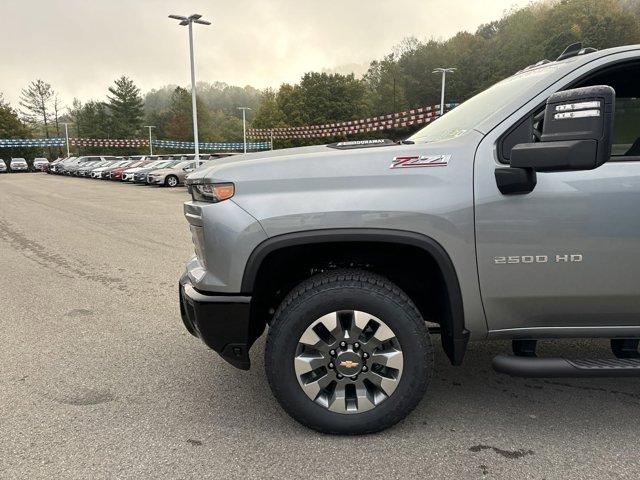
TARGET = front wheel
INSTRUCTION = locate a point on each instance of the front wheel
(171, 181)
(348, 352)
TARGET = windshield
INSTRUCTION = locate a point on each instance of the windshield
(161, 164)
(181, 165)
(469, 114)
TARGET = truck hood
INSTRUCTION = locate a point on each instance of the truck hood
(324, 161)
(209, 169)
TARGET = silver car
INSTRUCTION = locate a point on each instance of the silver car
(172, 176)
(19, 165)
(39, 163)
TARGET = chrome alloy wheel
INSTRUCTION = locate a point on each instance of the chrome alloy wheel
(172, 181)
(348, 361)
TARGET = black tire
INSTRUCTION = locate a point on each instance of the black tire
(169, 181)
(348, 290)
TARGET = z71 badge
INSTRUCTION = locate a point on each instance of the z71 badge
(416, 161)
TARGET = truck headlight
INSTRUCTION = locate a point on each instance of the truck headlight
(212, 192)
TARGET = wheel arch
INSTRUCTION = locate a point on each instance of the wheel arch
(454, 334)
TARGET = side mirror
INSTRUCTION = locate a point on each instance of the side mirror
(576, 134)
(187, 169)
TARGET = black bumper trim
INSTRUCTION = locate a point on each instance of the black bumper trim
(222, 322)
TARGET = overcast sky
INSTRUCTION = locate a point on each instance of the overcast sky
(80, 46)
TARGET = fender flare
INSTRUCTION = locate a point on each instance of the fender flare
(454, 336)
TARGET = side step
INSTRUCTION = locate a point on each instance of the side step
(533, 367)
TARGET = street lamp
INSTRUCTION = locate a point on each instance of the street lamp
(444, 72)
(244, 126)
(189, 21)
(150, 145)
(66, 136)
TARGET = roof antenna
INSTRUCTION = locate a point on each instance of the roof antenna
(571, 51)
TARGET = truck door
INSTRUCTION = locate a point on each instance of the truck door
(565, 258)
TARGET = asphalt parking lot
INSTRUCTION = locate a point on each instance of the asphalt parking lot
(99, 378)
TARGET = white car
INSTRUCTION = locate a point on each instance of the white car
(3, 166)
(127, 175)
(19, 165)
(38, 163)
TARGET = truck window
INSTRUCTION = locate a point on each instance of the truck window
(626, 123)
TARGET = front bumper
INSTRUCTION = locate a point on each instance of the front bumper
(155, 180)
(222, 322)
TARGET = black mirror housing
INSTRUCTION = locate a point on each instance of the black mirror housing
(559, 156)
(576, 135)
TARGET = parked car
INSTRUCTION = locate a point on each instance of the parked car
(147, 162)
(141, 175)
(171, 176)
(72, 168)
(58, 166)
(514, 217)
(19, 165)
(106, 173)
(110, 163)
(85, 169)
(3, 166)
(116, 173)
(39, 163)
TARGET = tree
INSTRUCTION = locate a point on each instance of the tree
(180, 123)
(385, 88)
(36, 103)
(126, 108)
(268, 114)
(10, 124)
(12, 127)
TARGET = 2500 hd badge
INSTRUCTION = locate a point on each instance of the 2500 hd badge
(529, 259)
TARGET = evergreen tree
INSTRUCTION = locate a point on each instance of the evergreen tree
(10, 124)
(12, 127)
(126, 108)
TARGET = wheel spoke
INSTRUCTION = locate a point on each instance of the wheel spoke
(307, 362)
(313, 388)
(389, 358)
(338, 401)
(385, 384)
(321, 332)
(365, 402)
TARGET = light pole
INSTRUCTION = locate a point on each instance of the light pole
(444, 72)
(244, 126)
(150, 145)
(66, 136)
(189, 21)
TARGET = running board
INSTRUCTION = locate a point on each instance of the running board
(533, 367)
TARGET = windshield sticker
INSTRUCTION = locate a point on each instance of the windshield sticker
(420, 161)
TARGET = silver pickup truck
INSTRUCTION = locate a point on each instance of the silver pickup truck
(514, 216)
